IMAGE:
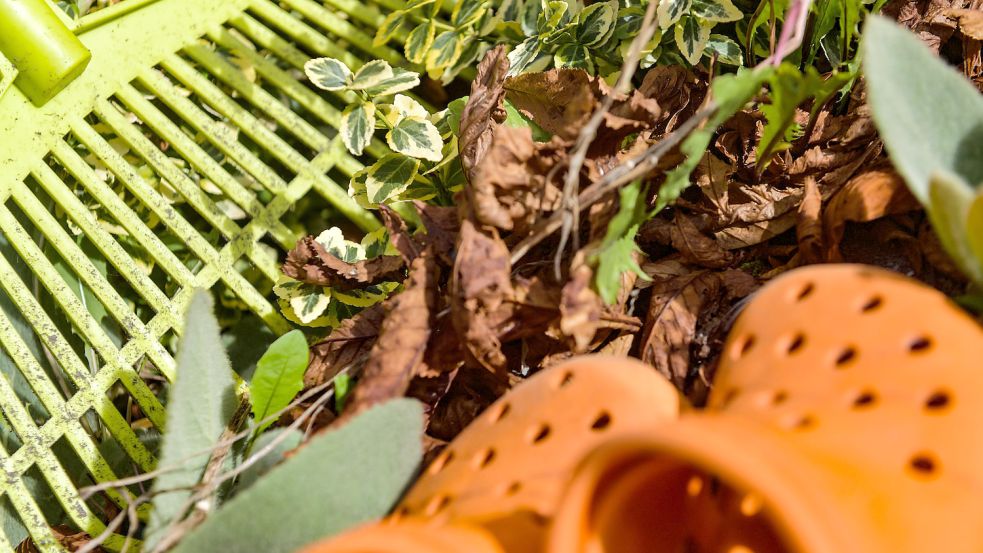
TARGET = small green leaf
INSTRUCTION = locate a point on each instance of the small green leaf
(389, 27)
(467, 12)
(371, 74)
(454, 111)
(357, 125)
(328, 73)
(692, 36)
(616, 255)
(416, 137)
(596, 23)
(400, 81)
(719, 11)
(670, 11)
(279, 376)
(419, 41)
(200, 403)
(341, 478)
(727, 51)
(389, 176)
(342, 386)
(444, 52)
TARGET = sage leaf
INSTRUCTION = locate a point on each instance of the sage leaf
(359, 471)
(200, 403)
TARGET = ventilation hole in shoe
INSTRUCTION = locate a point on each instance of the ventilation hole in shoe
(565, 379)
(513, 488)
(540, 433)
(499, 411)
(780, 397)
(601, 422)
(437, 504)
(401, 511)
(742, 346)
(864, 400)
(441, 461)
(750, 505)
(923, 465)
(798, 341)
(484, 458)
(920, 344)
(801, 422)
(729, 397)
(805, 291)
(872, 304)
(938, 401)
(846, 357)
(739, 549)
(694, 486)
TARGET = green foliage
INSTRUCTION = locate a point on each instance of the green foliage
(200, 404)
(730, 93)
(790, 88)
(282, 440)
(931, 120)
(359, 471)
(320, 306)
(279, 376)
(616, 255)
(423, 163)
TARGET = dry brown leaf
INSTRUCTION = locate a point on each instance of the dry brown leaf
(970, 22)
(559, 100)
(480, 285)
(868, 196)
(310, 263)
(620, 345)
(671, 324)
(695, 246)
(580, 309)
(441, 224)
(346, 345)
(484, 108)
(809, 227)
(66, 536)
(499, 188)
(471, 391)
(399, 235)
(397, 354)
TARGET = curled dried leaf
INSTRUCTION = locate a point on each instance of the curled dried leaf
(347, 345)
(484, 108)
(310, 263)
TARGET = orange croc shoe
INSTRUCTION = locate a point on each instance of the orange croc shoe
(500, 481)
(845, 417)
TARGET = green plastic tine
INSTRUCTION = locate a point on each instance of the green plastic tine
(189, 150)
(80, 262)
(170, 217)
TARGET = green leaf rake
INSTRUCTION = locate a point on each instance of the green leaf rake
(147, 149)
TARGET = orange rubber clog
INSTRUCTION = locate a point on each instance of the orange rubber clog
(845, 417)
(506, 472)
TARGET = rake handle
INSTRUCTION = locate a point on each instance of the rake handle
(45, 52)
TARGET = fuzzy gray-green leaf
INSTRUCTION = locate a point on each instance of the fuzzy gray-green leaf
(338, 480)
(200, 402)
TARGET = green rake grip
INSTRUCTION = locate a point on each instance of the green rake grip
(44, 51)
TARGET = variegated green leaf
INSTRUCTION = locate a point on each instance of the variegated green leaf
(390, 26)
(302, 303)
(419, 4)
(670, 11)
(556, 14)
(365, 297)
(334, 242)
(357, 124)
(467, 12)
(400, 81)
(525, 56)
(408, 107)
(727, 51)
(720, 11)
(389, 176)
(574, 56)
(596, 23)
(377, 243)
(419, 41)
(529, 17)
(328, 73)
(356, 189)
(416, 137)
(692, 36)
(371, 74)
(444, 52)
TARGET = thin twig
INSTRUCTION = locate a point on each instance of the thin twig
(629, 170)
(570, 211)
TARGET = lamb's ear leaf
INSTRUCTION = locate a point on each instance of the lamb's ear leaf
(361, 469)
(928, 115)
